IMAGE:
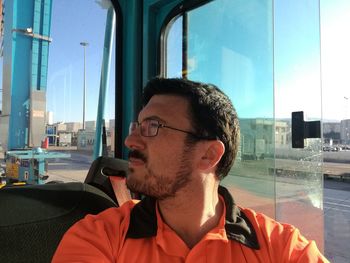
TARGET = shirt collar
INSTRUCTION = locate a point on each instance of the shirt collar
(143, 221)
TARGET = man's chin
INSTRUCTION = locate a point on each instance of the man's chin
(132, 184)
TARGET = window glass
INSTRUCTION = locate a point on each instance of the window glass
(76, 69)
(257, 52)
(173, 39)
(78, 30)
(233, 49)
(299, 178)
(335, 54)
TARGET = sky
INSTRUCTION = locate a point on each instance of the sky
(298, 71)
(73, 22)
(266, 58)
(313, 76)
(335, 23)
(233, 50)
(297, 65)
(322, 62)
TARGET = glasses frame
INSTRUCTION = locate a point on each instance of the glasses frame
(135, 124)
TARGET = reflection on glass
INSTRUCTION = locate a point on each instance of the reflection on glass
(299, 179)
(233, 49)
(268, 68)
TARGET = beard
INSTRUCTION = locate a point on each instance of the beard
(160, 185)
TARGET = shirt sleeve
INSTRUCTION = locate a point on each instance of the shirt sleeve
(283, 243)
(300, 250)
(96, 238)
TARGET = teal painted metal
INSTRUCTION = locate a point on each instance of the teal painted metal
(30, 165)
(155, 14)
(27, 64)
(106, 62)
(16, 59)
(141, 33)
(131, 61)
(137, 65)
(40, 47)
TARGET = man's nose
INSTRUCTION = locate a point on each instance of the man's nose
(134, 140)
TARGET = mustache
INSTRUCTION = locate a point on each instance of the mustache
(138, 155)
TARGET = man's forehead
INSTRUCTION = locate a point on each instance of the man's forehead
(165, 105)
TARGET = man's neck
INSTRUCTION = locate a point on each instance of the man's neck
(193, 214)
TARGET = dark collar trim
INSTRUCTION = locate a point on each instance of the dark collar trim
(143, 221)
(237, 225)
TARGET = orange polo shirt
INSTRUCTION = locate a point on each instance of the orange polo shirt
(136, 232)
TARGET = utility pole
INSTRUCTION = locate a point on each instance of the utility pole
(84, 44)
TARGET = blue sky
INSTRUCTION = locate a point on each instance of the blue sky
(296, 64)
(232, 50)
(272, 64)
(335, 23)
(74, 22)
(297, 59)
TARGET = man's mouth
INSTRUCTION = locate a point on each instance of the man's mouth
(136, 158)
(135, 162)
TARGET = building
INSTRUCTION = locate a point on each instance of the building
(331, 132)
(260, 137)
(25, 31)
(49, 117)
(345, 131)
(73, 126)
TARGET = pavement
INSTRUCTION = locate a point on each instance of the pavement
(336, 205)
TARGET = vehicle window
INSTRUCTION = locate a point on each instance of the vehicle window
(255, 51)
(74, 70)
(233, 49)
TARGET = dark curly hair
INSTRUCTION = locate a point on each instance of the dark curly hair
(213, 115)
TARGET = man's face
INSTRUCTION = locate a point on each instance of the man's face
(161, 165)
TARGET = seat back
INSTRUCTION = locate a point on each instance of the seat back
(33, 219)
(102, 170)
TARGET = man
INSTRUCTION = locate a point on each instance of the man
(184, 142)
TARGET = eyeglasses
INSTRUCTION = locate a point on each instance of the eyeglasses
(150, 127)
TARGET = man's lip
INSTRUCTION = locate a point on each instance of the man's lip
(135, 161)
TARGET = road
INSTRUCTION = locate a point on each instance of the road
(337, 220)
(73, 169)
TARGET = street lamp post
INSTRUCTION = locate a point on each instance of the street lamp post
(346, 107)
(346, 135)
(84, 44)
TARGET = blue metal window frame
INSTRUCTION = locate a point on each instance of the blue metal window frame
(141, 29)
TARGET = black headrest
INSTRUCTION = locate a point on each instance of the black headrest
(33, 219)
(101, 169)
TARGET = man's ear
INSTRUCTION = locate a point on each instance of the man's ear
(211, 154)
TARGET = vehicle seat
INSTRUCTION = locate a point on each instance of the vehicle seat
(34, 218)
(103, 170)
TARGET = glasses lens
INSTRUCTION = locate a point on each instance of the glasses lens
(132, 127)
(149, 128)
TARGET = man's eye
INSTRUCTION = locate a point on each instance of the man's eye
(153, 124)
